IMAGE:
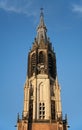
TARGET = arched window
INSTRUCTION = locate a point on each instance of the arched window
(41, 57)
(30, 110)
(33, 62)
(53, 110)
(41, 111)
(52, 65)
(31, 90)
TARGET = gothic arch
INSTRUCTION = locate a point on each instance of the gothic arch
(41, 57)
(50, 63)
(33, 62)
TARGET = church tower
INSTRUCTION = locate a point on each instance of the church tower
(42, 102)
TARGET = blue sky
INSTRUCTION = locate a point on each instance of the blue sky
(18, 23)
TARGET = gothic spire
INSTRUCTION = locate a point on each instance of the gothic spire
(41, 30)
(41, 19)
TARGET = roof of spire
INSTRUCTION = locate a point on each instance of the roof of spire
(41, 24)
(41, 30)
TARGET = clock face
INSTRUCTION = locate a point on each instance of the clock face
(41, 68)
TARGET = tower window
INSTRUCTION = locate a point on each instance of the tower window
(31, 90)
(33, 62)
(52, 65)
(41, 111)
(53, 110)
(30, 110)
(50, 60)
(43, 108)
(43, 104)
(52, 90)
(41, 57)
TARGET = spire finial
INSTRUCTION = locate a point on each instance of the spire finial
(41, 18)
(41, 14)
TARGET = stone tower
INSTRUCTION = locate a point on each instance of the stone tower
(42, 101)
